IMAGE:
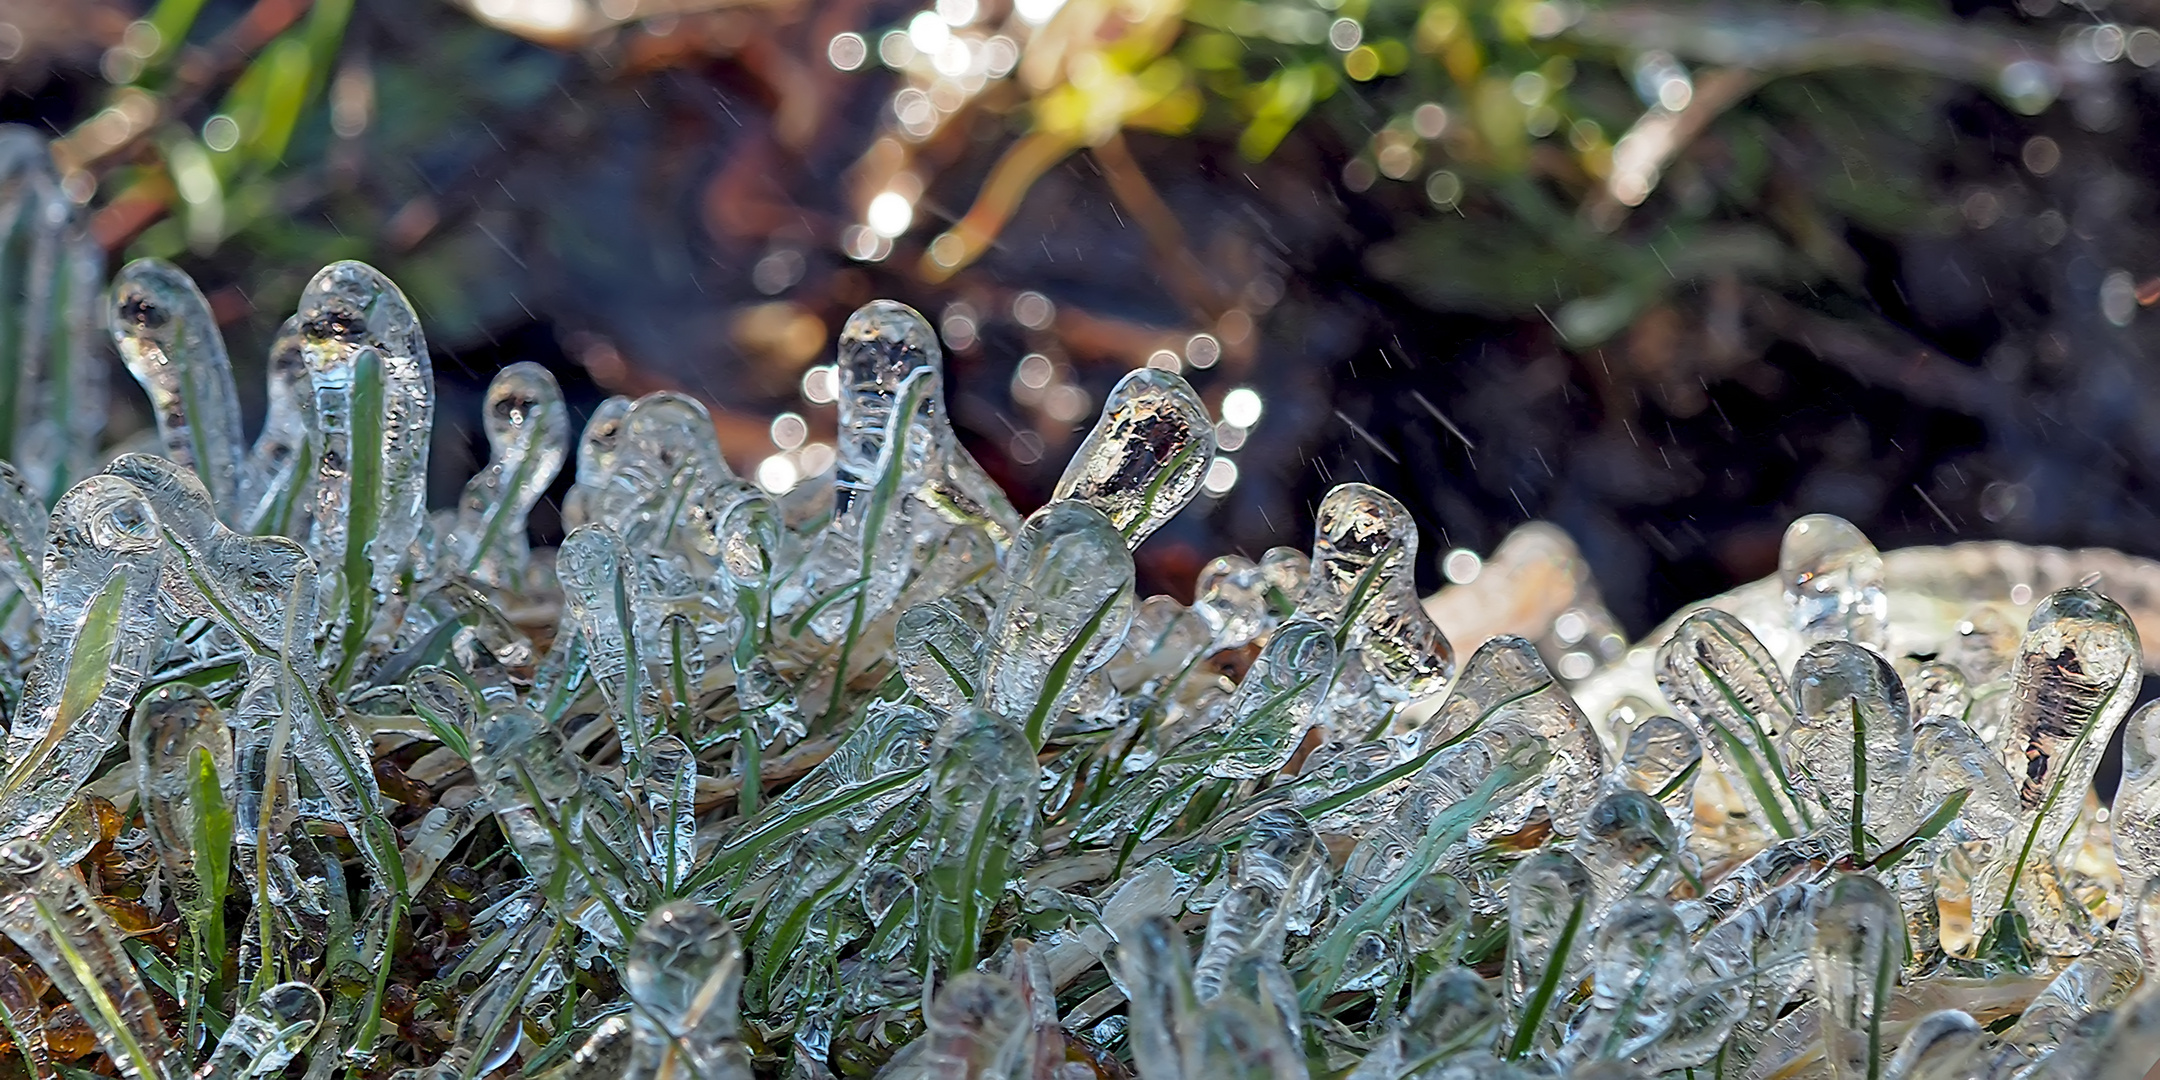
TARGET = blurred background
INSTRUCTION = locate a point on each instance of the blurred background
(1664, 274)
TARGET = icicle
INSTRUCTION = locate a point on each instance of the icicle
(1833, 580)
(164, 330)
(267, 1034)
(49, 913)
(685, 975)
(1145, 457)
(528, 433)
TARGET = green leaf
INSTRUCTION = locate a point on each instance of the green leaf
(1936, 821)
(1060, 673)
(210, 834)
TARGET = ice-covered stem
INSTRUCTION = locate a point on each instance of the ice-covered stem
(2076, 676)
(373, 386)
(103, 630)
(1833, 581)
(1362, 583)
(1063, 615)
(602, 595)
(49, 914)
(266, 1035)
(1859, 942)
(528, 433)
(278, 467)
(1146, 455)
(52, 295)
(1716, 673)
(1853, 742)
(684, 978)
(162, 326)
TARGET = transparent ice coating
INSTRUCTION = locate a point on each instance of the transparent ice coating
(277, 466)
(1063, 615)
(1859, 936)
(598, 456)
(2135, 815)
(1232, 595)
(373, 386)
(882, 842)
(103, 629)
(1146, 455)
(1268, 715)
(684, 974)
(22, 537)
(1549, 933)
(266, 1035)
(2075, 678)
(528, 433)
(1364, 546)
(49, 914)
(882, 345)
(939, 654)
(162, 326)
(1939, 1046)
(1719, 676)
(1833, 579)
(1852, 742)
(177, 729)
(601, 594)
